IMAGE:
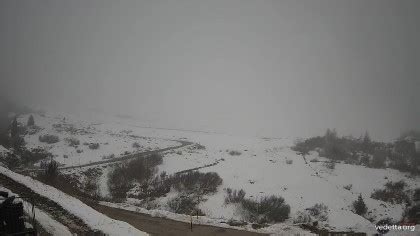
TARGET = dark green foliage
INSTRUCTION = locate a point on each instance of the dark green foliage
(51, 171)
(379, 158)
(416, 195)
(412, 214)
(17, 142)
(304, 147)
(119, 182)
(34, 155)
(31, 121)
(142, 170)
(367, 145)
(359, 206)
(267, 209)
(14, 131)
(393, 193)
(400, 155)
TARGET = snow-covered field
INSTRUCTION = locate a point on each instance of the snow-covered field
(265, 166)
(113, 140)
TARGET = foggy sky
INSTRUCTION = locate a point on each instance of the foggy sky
(266, 68)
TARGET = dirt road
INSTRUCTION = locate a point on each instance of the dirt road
(165, 227)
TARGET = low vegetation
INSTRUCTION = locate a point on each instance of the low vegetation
(270, 209)
(394, 192)
(49, 138)
(185, 204)
(234, 196)
(265, 210)
(94, 146)
(72, 141)
(234, 153)
(359, 206)
(400, 155)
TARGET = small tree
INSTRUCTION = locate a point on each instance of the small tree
(51, 171)
(31, 121)
(379, 158)
(367, 143)
(360, 206)
(14, 128)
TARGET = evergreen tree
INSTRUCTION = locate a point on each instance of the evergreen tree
(360, 206)
(31, 121)
(367, 144)
(14, 128)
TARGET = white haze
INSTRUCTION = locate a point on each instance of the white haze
(266, 68)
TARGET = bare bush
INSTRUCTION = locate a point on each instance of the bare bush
(136, 145)
(234, 196)
(184, 204)
(330, 165)
(267, 209)
(319, 211)
(196, 181)
(289, 162)
(302, 217)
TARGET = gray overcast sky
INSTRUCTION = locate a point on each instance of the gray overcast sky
(270, 68)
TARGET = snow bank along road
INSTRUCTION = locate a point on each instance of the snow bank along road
(73, 223)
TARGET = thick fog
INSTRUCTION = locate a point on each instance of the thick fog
(266, 68)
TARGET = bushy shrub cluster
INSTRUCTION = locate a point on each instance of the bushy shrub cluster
(234, 153)
(184, 204)
(94, 146)
(48, 138)
(196, 182)
(120, 179)
(400, 155)
(72, 141)
(393, 193)
(50, 171)
(319, 211)
(266, 209)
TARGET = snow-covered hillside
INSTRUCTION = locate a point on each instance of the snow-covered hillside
(113, 141)
(259, 166)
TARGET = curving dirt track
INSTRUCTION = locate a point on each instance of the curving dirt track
(166, 227)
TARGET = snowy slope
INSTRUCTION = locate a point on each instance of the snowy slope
(92, 218)
(49, 224)
(265, 166)
(111, 139)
